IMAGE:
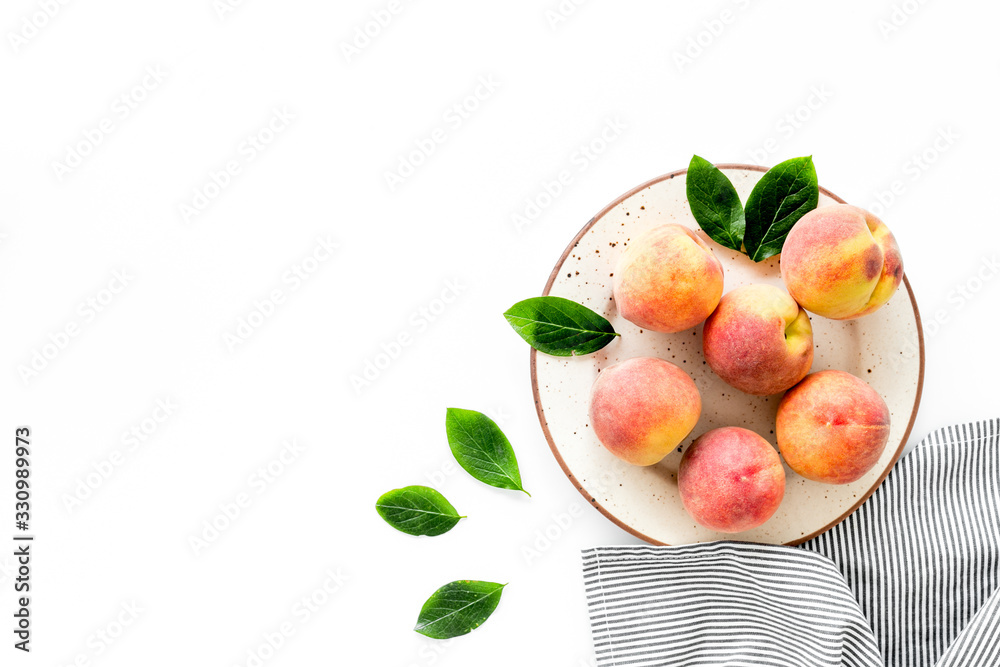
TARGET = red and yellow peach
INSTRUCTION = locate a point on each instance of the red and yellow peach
(643, 408)
(832, 427)
(731, 480)
(668, 280)
(759, 340)
(841, 262)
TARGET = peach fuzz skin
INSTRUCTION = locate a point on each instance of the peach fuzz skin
(841, 262)
(643, 408)
(832, 427)
(668, 280)
(731, 480)
(759, 340)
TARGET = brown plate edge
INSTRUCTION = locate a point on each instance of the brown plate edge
(545, 427)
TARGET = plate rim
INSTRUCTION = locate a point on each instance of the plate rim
(544, 423)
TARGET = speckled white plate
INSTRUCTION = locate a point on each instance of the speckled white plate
(645, 501)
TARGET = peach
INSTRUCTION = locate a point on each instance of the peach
(841, 262)
(667, 280)
(832, 427)
(643, 408)
(759, 340)
(731, 480)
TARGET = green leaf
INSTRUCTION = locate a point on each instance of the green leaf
(559, 327)
(482, 449)
(417, 510)
(458, 608)
(715, 203)
(785, 194)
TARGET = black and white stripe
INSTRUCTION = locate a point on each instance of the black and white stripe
(724, 603)
(914, 572)
(979, 643)
(923, 554)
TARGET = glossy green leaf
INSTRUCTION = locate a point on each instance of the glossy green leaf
(482, 449)
(715, 203)
(559, 327)
(786, 193)
(458, 608)
(417, 510)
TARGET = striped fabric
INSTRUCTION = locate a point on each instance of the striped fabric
(923, 554)
(979, 643)
(724, 603)
(910, 579)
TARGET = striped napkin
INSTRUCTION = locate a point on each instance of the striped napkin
(912, 578)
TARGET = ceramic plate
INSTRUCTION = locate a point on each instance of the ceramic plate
(645, 501)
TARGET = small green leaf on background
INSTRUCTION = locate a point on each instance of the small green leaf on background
(482, 449)
(559, 327)
(458, 608)
(417, 510)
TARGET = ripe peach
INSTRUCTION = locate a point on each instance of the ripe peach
(832, 427)
(731, 480)
(668, 280)
(841, 262)
(759, 340)
(643, 408)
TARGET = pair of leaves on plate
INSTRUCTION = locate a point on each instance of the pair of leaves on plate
(563, 328)
(482, 449)
(782, 196)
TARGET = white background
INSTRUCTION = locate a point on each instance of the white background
(885, 96)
